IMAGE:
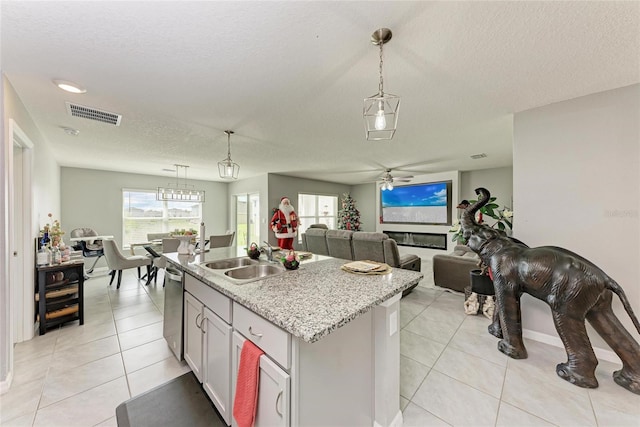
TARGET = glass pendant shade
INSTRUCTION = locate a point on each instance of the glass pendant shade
(181, 192)
(227, 169)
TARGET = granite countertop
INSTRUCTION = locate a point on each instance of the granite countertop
(309, 302)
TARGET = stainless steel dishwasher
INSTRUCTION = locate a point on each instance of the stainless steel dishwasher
(173, 295)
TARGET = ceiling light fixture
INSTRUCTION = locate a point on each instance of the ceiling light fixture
(181, 192)
(69, 86)
(381, 110)
(387, 185)
(227, 168)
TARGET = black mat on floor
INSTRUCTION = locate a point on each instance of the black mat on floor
(180, 402)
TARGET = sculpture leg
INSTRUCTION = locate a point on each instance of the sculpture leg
(495, 328)
(607, 325)
(508, 302)
(581, 360)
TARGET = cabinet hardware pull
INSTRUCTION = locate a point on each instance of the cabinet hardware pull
(254, 334)
(198, 325)
(202, 325)
(277, 400)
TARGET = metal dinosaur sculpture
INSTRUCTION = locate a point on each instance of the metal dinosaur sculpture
(572, 286)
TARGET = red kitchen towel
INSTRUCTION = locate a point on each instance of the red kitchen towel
(245, 402)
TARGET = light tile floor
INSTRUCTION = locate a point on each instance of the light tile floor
(451, 370)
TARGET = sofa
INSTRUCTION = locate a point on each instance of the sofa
(453, 270)
(359, 245)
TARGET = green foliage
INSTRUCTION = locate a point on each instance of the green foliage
(503, 219)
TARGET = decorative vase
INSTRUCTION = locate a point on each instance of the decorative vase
(253, 251)
(291, 265)
(481, 283)
(183, 248)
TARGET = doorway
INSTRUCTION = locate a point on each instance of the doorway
(247, 220)
(21, 242)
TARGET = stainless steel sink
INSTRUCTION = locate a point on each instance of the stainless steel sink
(243, 270)
(224, 264)
(254, 271)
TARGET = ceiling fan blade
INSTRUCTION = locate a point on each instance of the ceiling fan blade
(401, 180)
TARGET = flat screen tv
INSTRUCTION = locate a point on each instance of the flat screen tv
(427, 203)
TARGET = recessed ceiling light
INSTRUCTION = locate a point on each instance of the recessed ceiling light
(69, 86)
(71, 131)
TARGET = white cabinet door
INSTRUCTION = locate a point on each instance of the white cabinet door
(193, 334)
(273, 391)
(217, 362)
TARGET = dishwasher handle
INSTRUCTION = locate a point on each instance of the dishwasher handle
(173, 275)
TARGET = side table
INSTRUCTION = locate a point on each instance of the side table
(59, 294)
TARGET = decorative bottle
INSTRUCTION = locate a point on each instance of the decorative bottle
(55, 255)
(43, 256)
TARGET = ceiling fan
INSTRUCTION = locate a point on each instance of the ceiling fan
(387, 179)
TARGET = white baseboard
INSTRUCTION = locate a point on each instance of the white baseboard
(601, 353)
(396, 422)
(6, 384)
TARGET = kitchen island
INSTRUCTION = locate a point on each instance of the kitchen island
(331, 339)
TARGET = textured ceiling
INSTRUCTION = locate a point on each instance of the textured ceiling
(289, 78)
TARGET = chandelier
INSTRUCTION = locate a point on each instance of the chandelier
(227, 168)
(381, 110)
(181, 192)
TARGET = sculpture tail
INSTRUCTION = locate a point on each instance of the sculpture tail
(616, 289)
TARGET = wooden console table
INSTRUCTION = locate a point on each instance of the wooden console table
(59, 294)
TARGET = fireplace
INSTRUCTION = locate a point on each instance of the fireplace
(419, 240)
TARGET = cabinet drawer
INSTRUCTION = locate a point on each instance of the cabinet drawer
(218, 303)
(270, 338)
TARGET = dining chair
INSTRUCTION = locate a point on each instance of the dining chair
(221, 240)
(168, 245)
(118, 262)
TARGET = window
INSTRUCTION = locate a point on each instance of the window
(316, 209)
(142, 214)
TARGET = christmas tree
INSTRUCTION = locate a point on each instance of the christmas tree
(349, 216)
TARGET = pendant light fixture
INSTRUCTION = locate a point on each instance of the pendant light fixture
(227, 168)
(181, 192)
(381, 110)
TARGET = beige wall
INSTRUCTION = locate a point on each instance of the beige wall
(577, 185)
(499, 182)
(93, 198)
(281, 185)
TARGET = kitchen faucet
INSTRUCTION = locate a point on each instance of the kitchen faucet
(269, 251)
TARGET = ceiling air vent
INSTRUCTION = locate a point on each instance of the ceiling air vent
(93, 114)
(478, 156)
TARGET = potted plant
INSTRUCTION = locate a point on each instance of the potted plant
(503, 219)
